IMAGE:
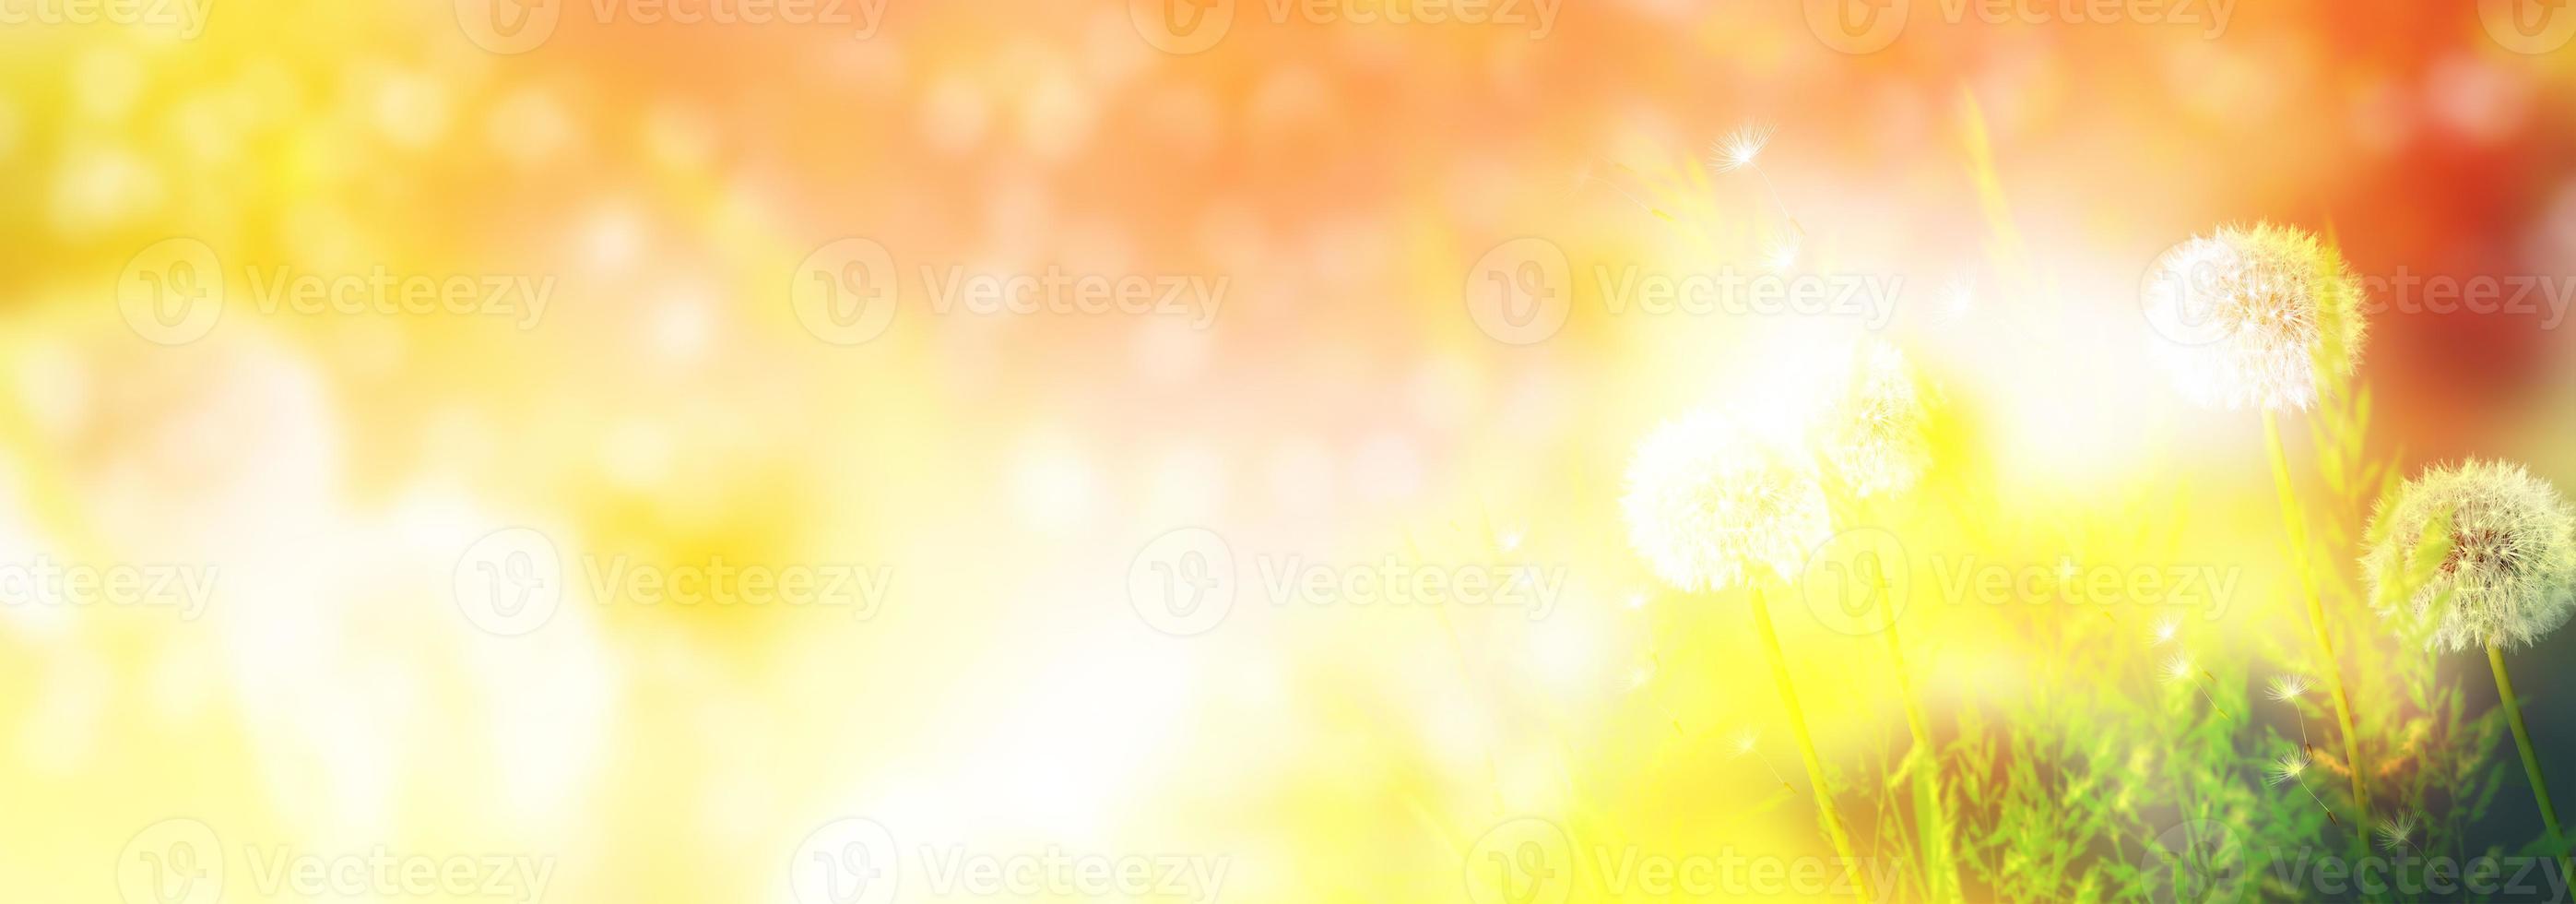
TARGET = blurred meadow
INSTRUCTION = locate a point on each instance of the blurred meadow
(834, 451)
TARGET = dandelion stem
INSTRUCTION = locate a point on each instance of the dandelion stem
(1775, 773)
(1940, 876)
(2312, 795)
(2206, 695)
(2297, 524)
(1807, 746)
(1775, 197)
(2530, 760)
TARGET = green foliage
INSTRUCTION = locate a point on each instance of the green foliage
(2118, 785)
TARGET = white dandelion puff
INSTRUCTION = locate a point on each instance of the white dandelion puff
(2178, 668)
(1874, 438)
(1782, 255)
(2397, 834)
(2510, 575)
(1710, 507)
(1740, 147)
(2166, 628)
(2254, 316)
(1744, 740)
(2286, 688)
(2289, 767)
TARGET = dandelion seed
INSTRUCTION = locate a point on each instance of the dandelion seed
(1744, 742)
(2178, 668)
(1873, 436)
(2166, 628)
(1639, 676)
(2507, 579)
(2249, 316)
(2397, 834)
(1739, 148)
(2510, 575)
(2286, 688)
(2289, 767)
(1510, 541)
(1709, 506)
(1781, 256)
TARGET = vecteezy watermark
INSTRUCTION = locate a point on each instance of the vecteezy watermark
(183, 861)
(2190, 294)
(847, 291)
(1861, 579)
(858, 861)
(861, 588)
(1059, 291)
(2528, 27)
(1869, 26)
(185, 587)
(186, 18)
(1522, 292)
(1391, 582)
(2205, 859)
(1529, 860)
(2203, 586)
(1866, 298)
(511, 581)
(174, 861)
(2407, 875)
(1184, 27)
(518, 26)
(174, 293)
(1182, 583)
(2544, 295)
(1185, 581)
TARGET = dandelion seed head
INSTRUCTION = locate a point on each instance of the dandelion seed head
(2286, 688)
(1744, 740)
(2166, 628)
(1874, 440)
(1740, 147)
(1781, 256)
(1709, 506)
(2254, 317)
(2289, 767)
(2397, 834)
(2510, 576)
(2178, 668)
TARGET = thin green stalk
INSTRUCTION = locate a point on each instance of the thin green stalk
(2194, 867)
(1807, 747)
(1940, 875)
(2530, 760)
(2297, 524)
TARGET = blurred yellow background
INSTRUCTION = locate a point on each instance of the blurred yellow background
(616, 451)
